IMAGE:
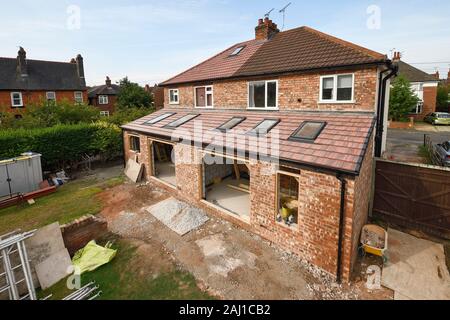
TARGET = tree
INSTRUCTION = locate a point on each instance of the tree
(442, 99)
(132, 95)
(402, 99)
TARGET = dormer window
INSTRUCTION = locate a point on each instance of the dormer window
(237, 51)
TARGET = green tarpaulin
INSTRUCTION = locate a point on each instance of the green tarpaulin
(91, 257)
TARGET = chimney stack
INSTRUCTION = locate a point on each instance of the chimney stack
(108, 82)
(397, 57)
(22, 67)
(436, 75)
(80, 69)
(266, 29)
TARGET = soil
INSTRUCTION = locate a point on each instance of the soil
(228, 262)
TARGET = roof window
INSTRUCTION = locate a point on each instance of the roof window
(159, 118)
(308, 131)
(181, 121)
(237, 51)
(230, 124)
(264, 127)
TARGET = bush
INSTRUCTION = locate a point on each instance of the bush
(125, 115)
(402, 99)
(62, 145)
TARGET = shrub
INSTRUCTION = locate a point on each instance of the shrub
(402, 99)
(125, 115)
(62, 145)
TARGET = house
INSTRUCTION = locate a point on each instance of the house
(24, 81)
(277, 135)
(424, 85)
(104, 97)
(157, 94)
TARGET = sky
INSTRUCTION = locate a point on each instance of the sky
(151, 41)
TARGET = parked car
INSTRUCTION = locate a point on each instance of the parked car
(443, 150)
(438, 118)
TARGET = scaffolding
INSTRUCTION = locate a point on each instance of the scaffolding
(11, 245)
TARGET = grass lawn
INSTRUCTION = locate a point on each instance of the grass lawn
(68, 203)
(127, 277)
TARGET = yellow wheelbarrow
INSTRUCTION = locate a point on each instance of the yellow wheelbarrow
(374, 240)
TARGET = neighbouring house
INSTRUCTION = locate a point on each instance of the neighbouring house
(24, 81)
(276, 134)
(104, 97)
(157, 94)
(424, 85)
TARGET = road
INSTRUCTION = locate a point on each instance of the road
(402, 136)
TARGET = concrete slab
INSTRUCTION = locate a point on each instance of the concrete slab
(165, 171)
(178, 216)
(228, 198)
(134, 170)
(416, 268)
(45, 242)
(54, 269)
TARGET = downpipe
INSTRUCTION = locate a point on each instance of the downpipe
(341, 228)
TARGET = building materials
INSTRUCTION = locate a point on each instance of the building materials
(92, 256)
(134, 170)
(178, 216)
(54, 269)
(86, 292)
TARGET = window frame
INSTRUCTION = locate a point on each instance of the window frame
(265, 95)
(13, 105)
(168, 126)
(102, 102)
(251, 132)
(164, 117)
(54, 95)
(237, 51)
(177, 94)
(104, 113)
(279, 172)
(419, 107)
(130, 147)
(76, 98)
(293, 137)
(242, 119)
(335, 88)
(206, 97)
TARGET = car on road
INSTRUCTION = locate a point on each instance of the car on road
(438, 118)
(443, 151)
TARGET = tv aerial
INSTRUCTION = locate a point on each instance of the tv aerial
(283, 11)
(267, 15)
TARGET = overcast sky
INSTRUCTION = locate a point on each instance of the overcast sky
(150, 41)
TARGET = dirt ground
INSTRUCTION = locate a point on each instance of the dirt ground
(228, 262)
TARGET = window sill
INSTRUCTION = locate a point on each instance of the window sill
(17, 107)
(204, 107)
(174, 103)
(263, 109)
(293, 227)
(336, 102)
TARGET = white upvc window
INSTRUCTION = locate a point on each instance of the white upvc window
(263, 94)
(203, 97)
(103, 99)
(16, 99)
(338, 88)
(50, 96)
(174, 96)
(104, 113)
(78, 96)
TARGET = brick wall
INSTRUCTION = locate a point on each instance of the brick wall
(316, 236)
(296, 92)
(111, 106)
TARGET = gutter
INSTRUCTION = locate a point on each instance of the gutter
(393, 70)
(341, 229)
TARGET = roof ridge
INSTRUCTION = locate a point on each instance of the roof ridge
(371, 53)
(204, 61)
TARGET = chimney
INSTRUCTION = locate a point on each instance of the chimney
(22, 67)
(436, 75)
(80, 66)
(397, 57)
(266, 29)
(108, 82)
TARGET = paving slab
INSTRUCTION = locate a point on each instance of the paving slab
(54, 269)
(178, 216)
(416, 268)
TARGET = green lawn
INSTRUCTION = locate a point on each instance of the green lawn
(125, 278)
(70, 202)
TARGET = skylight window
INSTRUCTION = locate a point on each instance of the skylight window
(264, 127)
(159, 118)
(181, 121)
(308, 131)
(230, 124)
(237, 51)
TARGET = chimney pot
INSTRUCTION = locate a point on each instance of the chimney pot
(22, 67)
(266, 29)
(108, 81)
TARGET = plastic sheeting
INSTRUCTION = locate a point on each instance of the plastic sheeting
(91, 257)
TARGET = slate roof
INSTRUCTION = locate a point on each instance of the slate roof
(42, 75)
(293, 50)
(103, 90)
(341, 145)
(413, 74)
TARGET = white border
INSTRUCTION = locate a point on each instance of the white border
(178, 96)
(46, 95)
(105, 96)
(75, 96)
(335, 77)
(12, 99)
(206, 99)
(265, 97)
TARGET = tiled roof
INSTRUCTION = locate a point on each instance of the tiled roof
(103, 90)
(298, 49)
(340, 146)
(413, 74)
(42, 75)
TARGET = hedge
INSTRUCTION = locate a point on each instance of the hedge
(62, 144)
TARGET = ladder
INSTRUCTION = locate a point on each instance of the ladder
(12, 245)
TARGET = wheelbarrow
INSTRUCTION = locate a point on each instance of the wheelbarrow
(374, 240)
